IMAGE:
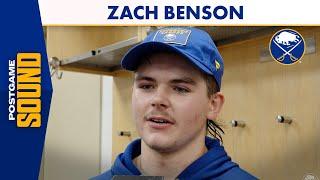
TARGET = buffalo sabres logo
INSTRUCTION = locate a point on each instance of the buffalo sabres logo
(169, 37)
(287, 46)
(172, 35)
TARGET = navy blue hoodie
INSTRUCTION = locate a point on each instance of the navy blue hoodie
(214, 164)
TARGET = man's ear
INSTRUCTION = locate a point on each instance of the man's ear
(216, 102)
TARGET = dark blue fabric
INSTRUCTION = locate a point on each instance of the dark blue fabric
(215, 164)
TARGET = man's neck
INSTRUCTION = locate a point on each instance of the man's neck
(169, 164)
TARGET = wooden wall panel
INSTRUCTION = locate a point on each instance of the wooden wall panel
(73, 41)
(256, 92)
(122, 114)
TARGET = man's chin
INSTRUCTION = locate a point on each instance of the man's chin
(160, 144)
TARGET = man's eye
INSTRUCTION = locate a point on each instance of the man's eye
(146, 87)
(181, 90)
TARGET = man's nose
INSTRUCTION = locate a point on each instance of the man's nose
(160, 99)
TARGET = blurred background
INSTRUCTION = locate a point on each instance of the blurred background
(90, 119)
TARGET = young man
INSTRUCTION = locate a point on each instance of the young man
(176, 98)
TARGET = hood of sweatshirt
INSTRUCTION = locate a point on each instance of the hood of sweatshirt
(214, 164)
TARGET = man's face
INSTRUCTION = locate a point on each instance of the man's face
(170, 102)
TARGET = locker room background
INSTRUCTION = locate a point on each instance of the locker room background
(89, 107)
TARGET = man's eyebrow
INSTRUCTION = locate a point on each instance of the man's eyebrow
(146, 78)
(185, 80)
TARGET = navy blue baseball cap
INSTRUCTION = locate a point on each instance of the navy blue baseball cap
(192, 43)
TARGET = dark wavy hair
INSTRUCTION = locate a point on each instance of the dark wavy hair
(213, 127)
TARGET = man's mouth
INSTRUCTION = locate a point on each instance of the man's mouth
(159, 120)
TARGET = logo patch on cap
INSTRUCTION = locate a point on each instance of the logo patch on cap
(217, 65)
(172, 35)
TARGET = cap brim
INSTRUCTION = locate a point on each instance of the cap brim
(135, 56)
